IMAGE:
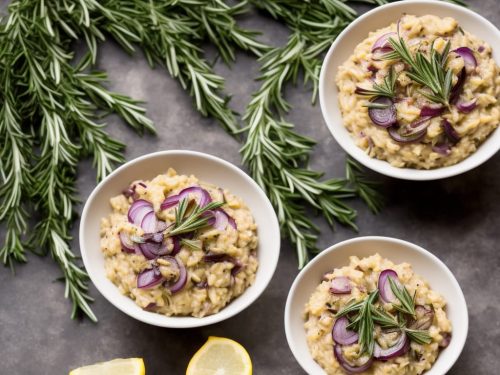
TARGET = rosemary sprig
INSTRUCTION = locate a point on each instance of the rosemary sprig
(430, 72)
(197, 217)
(387, 88)
(365, 188)
(386, 320)
(407, 301)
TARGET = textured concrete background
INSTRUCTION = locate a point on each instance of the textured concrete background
(457, 219)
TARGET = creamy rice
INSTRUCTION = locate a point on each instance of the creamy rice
(210, 285)
(481, 84)
(363, 274)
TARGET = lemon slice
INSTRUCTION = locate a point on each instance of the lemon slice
(128, 366)
(220, 356)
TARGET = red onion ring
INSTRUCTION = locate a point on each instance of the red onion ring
(200, 195)
(468, 55)
(457, 89)
(384, 286)
(442, 148)
(149, 278)
(402, 138)
(149, 222)
(450, 132)
(423, 318)
(342, 335)
(138, 210)
(400, 348)
(340, 285)
(446, 340)
(431, 110)
(181, 280)
(466, 107)
(383, 42)
(337, 350)
(384, 117)
(126, 242)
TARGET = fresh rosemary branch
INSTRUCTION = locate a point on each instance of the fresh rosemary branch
(430, 72)
(407, 301)
(197, 217)
(387, 88)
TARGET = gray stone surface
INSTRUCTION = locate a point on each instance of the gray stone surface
(457, 219)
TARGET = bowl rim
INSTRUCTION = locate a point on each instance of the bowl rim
(333, 248)
(192, 322)
(382, 166)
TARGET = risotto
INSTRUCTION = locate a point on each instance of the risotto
(178, 246)
(422, 93)
(375, 317)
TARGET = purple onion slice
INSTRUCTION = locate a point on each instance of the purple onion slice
(342, 335)
(442, 148)
(149, 278)
(126, 242)
(161, 226)
(446, 340)
(340, 285)
(150, 249)
(384, 286)
(149, 222)
(176, 286)
(401, 347)
(138, 210)
(432, 110)
(418, 125)
(337, 350)
(466, 107)
(200, 195)
(383, 42)
(450, 132)
(468, 55)
(403, 138)
(457, 88)
(384, 117)
(169, 202)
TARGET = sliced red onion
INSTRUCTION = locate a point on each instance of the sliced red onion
(384, 286)
(216, 258)
(379, 54)
(468, 55)
(442, 148)
(432, 110)
(238, 267)
(401, 347)
(480, 49)
(418, 125)
(383, 42)
(342, 335)
(340, 285)
(446, 340)
(450, 132)
(202, 285)
(126, 242)
(384, 117)
(181, 280)
(149, 222)
(143, 185)
(169, 202)
(177, 245)
(150, 250)
(373, 69)
(232, 222)
(337, 350)
(129, 192)
(149, 278)
(138, 210)
(403, 138)
(151, 306)
(457, 89)
(466, 107)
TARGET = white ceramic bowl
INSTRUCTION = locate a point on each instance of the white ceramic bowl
(343, 47)
(423, 262)
(209, 169)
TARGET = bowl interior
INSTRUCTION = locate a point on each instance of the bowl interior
(357, 31)
(424, 263)
(209, 169)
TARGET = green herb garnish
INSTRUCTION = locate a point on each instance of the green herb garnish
(387, 88)
(407, 301)
(430, 72)
(197, 217)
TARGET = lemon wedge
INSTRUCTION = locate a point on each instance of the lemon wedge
(220, 356)
(128, 366)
